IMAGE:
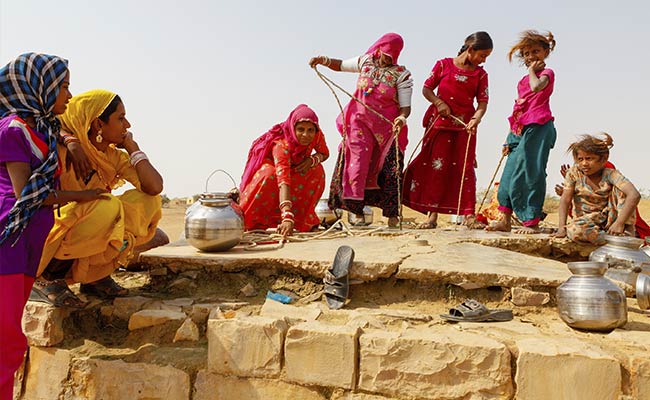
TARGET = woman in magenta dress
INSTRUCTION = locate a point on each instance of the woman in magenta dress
(283, 178)
(367, 171)
(432, 182)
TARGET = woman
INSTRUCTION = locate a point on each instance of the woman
(367, 171)
(283, 178)
(93, 239)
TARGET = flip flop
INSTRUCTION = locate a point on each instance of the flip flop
(336, 278)
(472, 311)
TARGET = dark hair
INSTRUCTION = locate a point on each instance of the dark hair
(532, 38)
(110, 109)
(477, 41)
(592, 144)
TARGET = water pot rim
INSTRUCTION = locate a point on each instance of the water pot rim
(624, 241)
(587, 267)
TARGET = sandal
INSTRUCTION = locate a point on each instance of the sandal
(427, 225)
(336, 278)
(58, 288)
(105, 288)
(472, 311)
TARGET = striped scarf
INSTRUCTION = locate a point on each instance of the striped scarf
(29, 86)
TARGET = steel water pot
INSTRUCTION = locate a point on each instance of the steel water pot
(622, 252)
(365, 221)
(214, 222)
(589, 301)
(326, 215)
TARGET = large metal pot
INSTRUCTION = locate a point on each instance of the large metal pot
(622, 252)
(215, 222)
(588, 300)
(643, 291)
(326, 215)
(365, 221)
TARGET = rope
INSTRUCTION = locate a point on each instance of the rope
(331, 83)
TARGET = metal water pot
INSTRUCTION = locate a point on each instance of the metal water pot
(625, 258)
(214, 222)
(326, 215)
(367, 217)
(588, 300)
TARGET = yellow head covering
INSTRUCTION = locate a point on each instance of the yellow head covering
(82, 110)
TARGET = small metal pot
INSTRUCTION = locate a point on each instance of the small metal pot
(456, 219)
(622, 252)
(326, 215)
(356, 221)
(588, 300)
(643, 291)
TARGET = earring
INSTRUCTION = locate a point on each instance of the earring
(99, 138)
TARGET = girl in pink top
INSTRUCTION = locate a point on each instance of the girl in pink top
(532, 136)
(432, 182)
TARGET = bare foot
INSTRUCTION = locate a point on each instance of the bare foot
(527, 230)
(502, 225)
(430, 225)
(393, 222)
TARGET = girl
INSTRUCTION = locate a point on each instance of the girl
(532, 136)
(367, 170)
(283, 178)
(95, 238)
(603, 199)
(432, 182)
(33, 90)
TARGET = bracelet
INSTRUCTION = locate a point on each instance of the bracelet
(288, 220)
(326, 61)
(315, 160)
(137, 156)
(67, 139)
(400, 118)
(287, 214)
(285, 203)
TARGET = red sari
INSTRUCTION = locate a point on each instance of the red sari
(432, 181)
(271, 163)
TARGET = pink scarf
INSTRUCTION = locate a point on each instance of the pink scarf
(261, 147)
(390, 44)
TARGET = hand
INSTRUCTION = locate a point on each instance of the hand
(80, 162)
(536, 66)
(285, 228)
(617, 228)
(505, 150)
(322, 60)
(561, 232)
(304, 165)
(233, 195)
(564, 168)
(559, 189)
(443, 108)
(128, 143)
(90, 195)
(398, 124)
(472, 125)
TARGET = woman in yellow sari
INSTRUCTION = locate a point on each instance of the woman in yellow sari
(90, 240)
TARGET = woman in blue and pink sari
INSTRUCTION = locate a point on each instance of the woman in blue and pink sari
(368, 169)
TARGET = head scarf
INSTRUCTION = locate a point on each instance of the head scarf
(390, 44)
(29, 86)
(285, 130)
(82, 110)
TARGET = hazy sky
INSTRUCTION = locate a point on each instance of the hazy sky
(202, 79)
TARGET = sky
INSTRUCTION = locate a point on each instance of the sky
(202, 79)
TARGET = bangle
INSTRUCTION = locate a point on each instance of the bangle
(315, 160)
(288, 220)
(400, 118)
(325, 60)
(137, 156)
(286, 203)
(287, 214)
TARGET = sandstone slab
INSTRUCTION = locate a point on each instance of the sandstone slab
(322, 354)
(210, 386)
(47, 373)
(576, 369)
(275, 309)
(43, 323)
(247, 346)
(123, 307)
(188, 332)
(147, 318)
(525, 298)
(434, 364)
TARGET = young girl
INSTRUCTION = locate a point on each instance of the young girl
(368, 170)
(283, 178)
(33, 90)
(603, 199)
(432, 182)
(532, 136)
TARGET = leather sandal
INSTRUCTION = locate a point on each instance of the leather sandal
(472, 311)
(336, 278)
(105, 288)
(56, 293)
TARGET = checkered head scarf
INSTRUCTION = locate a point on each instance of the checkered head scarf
(29, 86)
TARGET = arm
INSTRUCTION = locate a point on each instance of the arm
(476, 118)
(443, 108)
(537, 84)
(632, 198)
(75, 155)
(19, 173)
(563, 212)
(150, 180)
(332, 63)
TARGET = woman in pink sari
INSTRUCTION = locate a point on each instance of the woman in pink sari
(368, 169)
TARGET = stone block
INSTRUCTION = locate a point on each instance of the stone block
(43, 323)
(125, 306)
(524, 297)
(568, 369)
(640, 378)
(346, 395)
(147, 318)
(434, 364)
(100, 379)
(274, 309)
(188, 332)
(210, 386)
(321, 354)
(247, 346)
(47, 371)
